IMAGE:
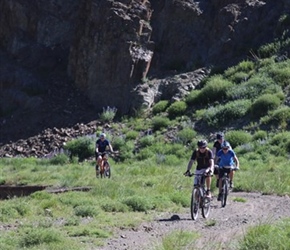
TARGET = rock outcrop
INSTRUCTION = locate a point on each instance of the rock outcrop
(62, 61)
(109, 48)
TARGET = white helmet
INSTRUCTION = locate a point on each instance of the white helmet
(103, 135)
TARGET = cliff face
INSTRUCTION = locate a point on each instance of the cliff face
(110, 48)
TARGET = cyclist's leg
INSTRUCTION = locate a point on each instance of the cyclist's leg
(197, 176)
(216, 173)
(231, 176)
(221, 173)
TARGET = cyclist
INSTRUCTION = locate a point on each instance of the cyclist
(101, 145)
(217, 147)
(227, 161)
(204, 157)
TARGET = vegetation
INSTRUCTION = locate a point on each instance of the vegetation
(248, 102)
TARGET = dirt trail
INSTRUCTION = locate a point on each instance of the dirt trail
(230, 223)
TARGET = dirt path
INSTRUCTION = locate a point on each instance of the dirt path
(230, 223)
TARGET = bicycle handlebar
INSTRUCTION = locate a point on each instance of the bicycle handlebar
(189, 174)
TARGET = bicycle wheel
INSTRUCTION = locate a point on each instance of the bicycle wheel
(195, 198)
(225, 187)
(108, 173)
(205, 209)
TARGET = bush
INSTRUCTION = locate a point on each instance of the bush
(86, 210)
(176, 109)
(159, 122)
(223, 114)
(260, 135)
(146, 141)
(240, 72)
(132, 135)
(82, 148)
(264, 104)
(118, 143)
(215, 90)
(160, 106)
(138, 204)
(238, 137)
(108, 114)
(278, 117)
(192, 98)
(144, 154)
(60, 159)
(255, 86)
(186, 135)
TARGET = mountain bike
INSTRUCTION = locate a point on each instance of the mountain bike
(104, 170)
(225, 187)
(199, 198)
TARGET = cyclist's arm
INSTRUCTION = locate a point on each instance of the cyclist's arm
(237, 161)
(189, 165)
(110, 147)
(211, 165)
(214, 152)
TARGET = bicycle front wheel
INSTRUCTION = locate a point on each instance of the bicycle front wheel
(225, 190)
(205, 209)
(195, 198)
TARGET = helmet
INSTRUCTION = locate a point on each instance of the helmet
(103, 135)
(202, 143)
(219, 136)
(225, 144)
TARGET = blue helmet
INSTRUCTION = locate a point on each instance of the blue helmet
(226, 144)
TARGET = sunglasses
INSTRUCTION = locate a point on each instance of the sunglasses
(202, 147)
(225, 148)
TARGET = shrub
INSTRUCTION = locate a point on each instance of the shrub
(82, 147)
(176, 109)
(223, 114)
(144, 154)
(263, 104)
(260, 135)
(192, 98)
(252, 88)
(138, 204)
(59, 159)
(86, 210)
(108, 114)
(146, 141)
(159, 122)
(38, 236)
(132, 135)
(240, 71)
(278, 117)
(281, 74)
(238, 137)
(215, 90)
(186, 135)
(160, 106)
(118, 142)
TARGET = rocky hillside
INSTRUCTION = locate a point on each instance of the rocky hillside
(62, 61)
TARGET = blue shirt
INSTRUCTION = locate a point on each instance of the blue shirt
(226, 159)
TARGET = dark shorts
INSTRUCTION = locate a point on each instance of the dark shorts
(216, 170)
(99, 154)
(223, 170)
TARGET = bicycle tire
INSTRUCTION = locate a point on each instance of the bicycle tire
(205, 209)
(194, 207)
(225, 188)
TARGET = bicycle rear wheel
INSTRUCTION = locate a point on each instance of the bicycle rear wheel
(225, 190)
(195, 198)
(205, 209)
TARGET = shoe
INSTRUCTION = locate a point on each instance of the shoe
(217, 183)
(208, 194)
(219, 197)
(231, 185)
